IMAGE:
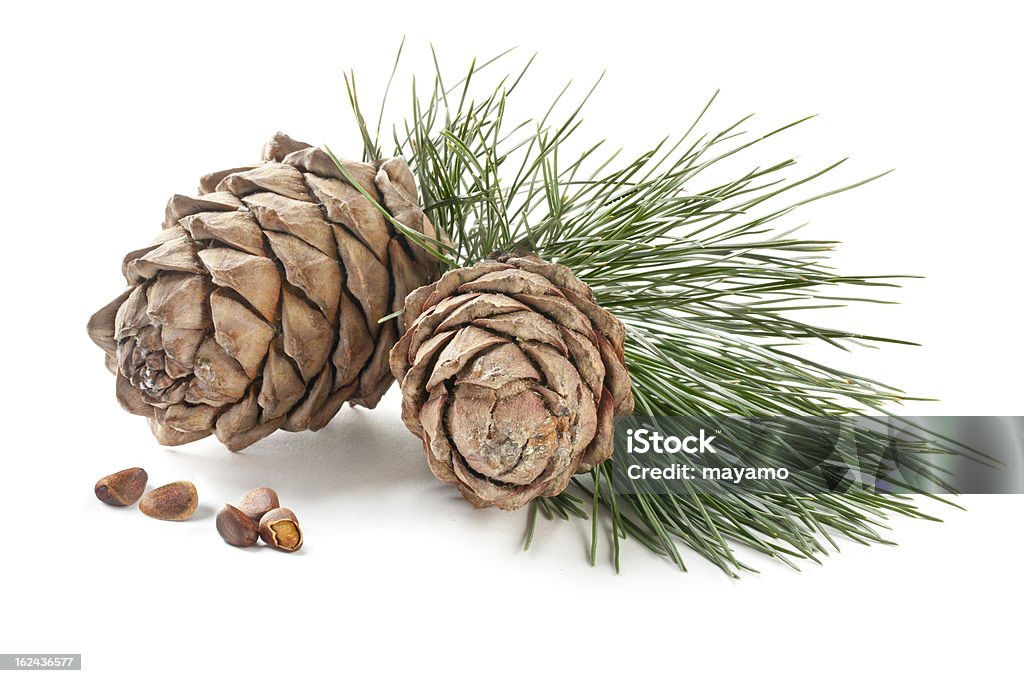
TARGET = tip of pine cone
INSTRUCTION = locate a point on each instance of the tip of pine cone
(280, 145)
(517, 251)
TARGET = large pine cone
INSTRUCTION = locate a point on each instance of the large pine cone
(511, 374)
(257, 307)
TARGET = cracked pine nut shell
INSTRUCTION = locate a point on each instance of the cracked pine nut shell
(172, 502)
(235, 527)
(257, 502)
(122, 488)
(279, 529)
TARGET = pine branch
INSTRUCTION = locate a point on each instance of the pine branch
(706, 276)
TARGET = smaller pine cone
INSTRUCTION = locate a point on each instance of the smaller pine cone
(512, 375)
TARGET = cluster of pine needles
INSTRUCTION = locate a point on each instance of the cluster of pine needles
(707, 277)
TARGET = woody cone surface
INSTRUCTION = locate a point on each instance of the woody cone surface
(257, 307)
(511, 374)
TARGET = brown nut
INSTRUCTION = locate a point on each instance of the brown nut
(279, 529)
(122, 488)
(174, 502)
(257, 502)
(236, 528)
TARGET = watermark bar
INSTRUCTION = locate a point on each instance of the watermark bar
(40, 662)
(805, 455)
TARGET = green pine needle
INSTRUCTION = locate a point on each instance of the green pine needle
(706, 276)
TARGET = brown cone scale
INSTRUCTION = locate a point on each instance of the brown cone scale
(512, 375)
(257, 306)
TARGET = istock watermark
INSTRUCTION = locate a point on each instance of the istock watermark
(648, 441)
(817, 454)
(651, 441)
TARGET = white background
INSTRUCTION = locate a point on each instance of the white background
(108, 110)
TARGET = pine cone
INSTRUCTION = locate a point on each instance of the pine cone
(511, 374)
(257, 307)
